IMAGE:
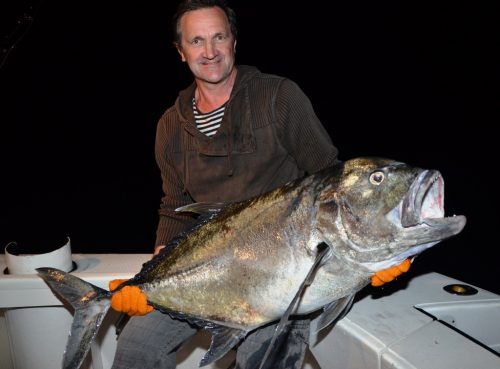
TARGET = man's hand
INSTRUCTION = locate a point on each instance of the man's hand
(158, 249)
(130, 299)
(387, 275)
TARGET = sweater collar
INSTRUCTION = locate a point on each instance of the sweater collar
(235, 134)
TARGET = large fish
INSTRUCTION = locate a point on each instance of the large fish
(250, 263)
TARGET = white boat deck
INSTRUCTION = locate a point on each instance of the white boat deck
(420, 326)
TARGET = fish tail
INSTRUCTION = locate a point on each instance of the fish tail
(91, 304)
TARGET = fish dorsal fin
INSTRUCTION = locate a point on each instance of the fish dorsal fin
(202, 207)
(223, 340)
(334, 311)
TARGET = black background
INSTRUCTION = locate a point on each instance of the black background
(82, 90)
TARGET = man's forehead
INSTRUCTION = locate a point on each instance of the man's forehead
(204, 19)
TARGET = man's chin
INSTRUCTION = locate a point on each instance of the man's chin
(212, 73)
(212, 78)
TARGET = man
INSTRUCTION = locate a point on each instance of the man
(233, 134)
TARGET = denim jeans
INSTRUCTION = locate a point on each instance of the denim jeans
(151, 341)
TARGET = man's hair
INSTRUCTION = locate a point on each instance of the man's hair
(190, 5)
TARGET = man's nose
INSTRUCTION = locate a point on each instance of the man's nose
(210, 50)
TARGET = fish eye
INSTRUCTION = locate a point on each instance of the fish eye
(377, 178)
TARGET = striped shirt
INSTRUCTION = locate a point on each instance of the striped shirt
(208, 123)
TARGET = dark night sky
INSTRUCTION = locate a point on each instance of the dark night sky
(82, 91)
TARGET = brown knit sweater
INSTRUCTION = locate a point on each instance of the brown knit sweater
(269, 135)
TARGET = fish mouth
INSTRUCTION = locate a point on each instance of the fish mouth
(424, 202)
(420, 214)
(423, 207)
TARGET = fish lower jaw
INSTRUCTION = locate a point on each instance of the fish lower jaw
(380, 265)
(386, 264)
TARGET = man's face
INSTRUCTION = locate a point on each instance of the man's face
(207, 44)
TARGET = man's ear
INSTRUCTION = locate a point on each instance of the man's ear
(179, 50)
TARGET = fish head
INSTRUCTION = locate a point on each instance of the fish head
(378, 212)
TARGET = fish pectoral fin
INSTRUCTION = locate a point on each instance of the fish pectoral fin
(223, 340)
(323, 250)
(334, 311)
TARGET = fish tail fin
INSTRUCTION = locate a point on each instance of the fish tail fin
(91, 304)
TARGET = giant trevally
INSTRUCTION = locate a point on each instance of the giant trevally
(249, 263)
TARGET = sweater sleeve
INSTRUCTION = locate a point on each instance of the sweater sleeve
(301, 132)
(170, 222)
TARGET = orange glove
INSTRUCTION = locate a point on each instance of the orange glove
(387, 275)
(130, 299)
(113, 285)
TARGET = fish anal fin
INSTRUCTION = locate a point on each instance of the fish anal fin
(223, 340)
